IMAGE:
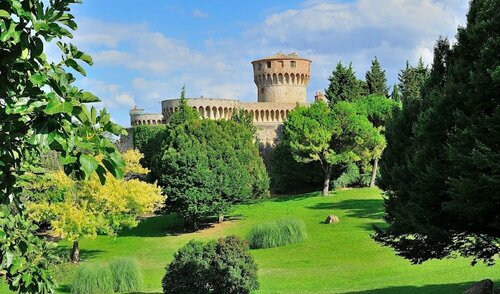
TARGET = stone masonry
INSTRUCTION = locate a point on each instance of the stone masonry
(281, 81)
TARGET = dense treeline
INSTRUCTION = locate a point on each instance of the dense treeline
(203, 166)
(441, 170)
(353, 141)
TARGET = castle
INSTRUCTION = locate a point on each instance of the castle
(281, 81)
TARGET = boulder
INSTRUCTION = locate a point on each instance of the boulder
(482, 287)
(332, 219)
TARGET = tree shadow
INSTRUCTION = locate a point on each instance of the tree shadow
(157, 226)
(171, 225)
(372, 209)
(63, 251)
(295, 197)
(358, 208)
(428, 289)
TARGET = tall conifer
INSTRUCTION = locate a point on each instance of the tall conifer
(376, 80)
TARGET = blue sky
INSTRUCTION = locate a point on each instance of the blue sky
(144, 51)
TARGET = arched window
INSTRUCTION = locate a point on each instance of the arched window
(269, 64)
(214, 112)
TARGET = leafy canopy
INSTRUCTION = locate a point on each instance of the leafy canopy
(41, 109)
(77, 209)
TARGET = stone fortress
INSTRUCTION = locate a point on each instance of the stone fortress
(281, 81)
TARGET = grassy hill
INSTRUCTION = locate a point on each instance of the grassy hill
(337, 258)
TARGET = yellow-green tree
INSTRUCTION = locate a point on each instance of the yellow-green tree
(82, 209)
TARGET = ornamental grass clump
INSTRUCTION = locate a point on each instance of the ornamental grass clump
(126, 275)
(93, 278)
(277, 233)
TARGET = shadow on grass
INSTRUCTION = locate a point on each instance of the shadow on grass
(294, 197)
(371, 209)
(428, 289)
(170, 225)
(157, 226)
(63, 251)
(358, 208)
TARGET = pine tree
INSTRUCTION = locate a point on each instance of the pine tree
(344, 86)
(447, 200)
(395, 94)
(376, 80)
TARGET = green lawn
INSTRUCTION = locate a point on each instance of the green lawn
(338, 258)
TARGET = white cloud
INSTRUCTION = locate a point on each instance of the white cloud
(154, 66)
(200, 14)
(111, 95)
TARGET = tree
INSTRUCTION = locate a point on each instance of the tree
(376, 80)
(395, 94)
(344, 86)
(41, 109)
(223, 267)
(378, 109)
(333, 137)
(149, 140)
(451, 205)
(208, 166)
(184, 113)
(81, 209)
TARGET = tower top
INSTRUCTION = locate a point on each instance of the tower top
(282, 56)
(282, 78)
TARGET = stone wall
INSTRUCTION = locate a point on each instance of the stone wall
(282, 78)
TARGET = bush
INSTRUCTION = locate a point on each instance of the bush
(277, 233)
(126, 275)
(93, 278)
(222, 267)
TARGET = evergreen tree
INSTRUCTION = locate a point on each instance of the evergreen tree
(184, 113)
(344, 86)
(376, 80)
(395, 94)
(445, 200)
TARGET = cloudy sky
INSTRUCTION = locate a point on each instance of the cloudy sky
(144, 51)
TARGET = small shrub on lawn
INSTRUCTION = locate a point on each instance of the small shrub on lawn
(126, 275)
(92, 278)
(277, 233)
(222, 267)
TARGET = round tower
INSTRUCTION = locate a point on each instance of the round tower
(282, 78)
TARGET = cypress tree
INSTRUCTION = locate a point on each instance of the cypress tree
(344, 86)
(448, 200)
(376, 80)
(395, 94)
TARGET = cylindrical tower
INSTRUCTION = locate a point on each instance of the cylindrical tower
(282, 78)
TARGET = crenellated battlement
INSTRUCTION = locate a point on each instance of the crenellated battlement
(282, 78)
(281, 81)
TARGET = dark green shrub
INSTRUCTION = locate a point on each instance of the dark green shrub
(277, 233)
(126, 275)
(222, 267)
(92, 278)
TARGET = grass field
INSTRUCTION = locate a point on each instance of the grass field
(337, 258)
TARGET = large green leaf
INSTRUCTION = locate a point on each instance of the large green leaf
(88, 164)
(56, 106)
(88, 97)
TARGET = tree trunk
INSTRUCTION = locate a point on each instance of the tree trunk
(221, 218)
(75, 252)
(326, 182)
(374, 172)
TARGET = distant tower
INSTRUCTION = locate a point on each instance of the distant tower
(282, 78)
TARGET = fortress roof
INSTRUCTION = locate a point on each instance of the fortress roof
(280, 55)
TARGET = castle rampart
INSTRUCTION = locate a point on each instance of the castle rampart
(281, 81)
